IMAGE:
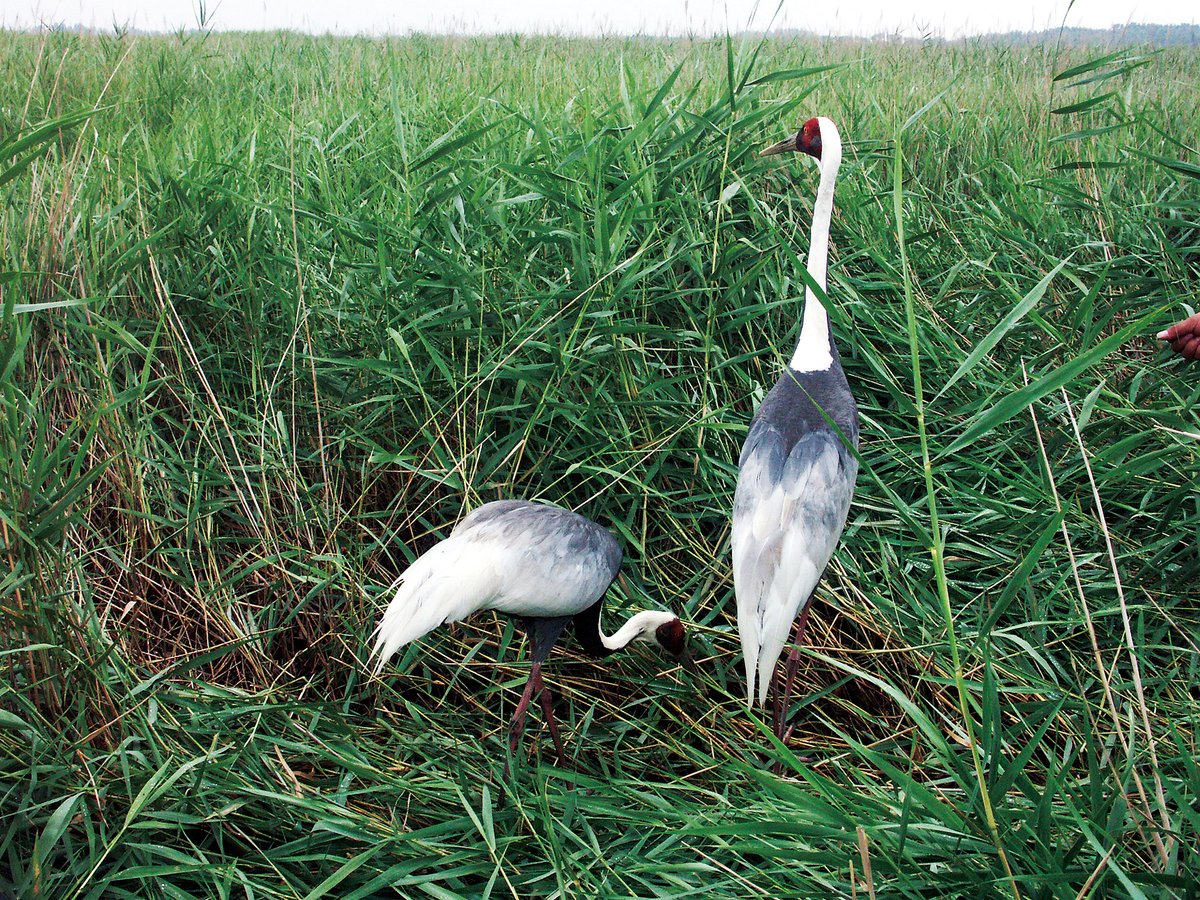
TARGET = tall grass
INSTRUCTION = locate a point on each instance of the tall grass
(277, 310)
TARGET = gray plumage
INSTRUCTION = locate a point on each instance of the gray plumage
(793, 494)
(514, 556)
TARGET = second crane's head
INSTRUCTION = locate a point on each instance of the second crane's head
(817, 137)
(664, 629)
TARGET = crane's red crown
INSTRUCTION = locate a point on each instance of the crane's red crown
(808, 139)
(670, 636)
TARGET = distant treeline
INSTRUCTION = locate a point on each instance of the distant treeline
(1134, 34)
(1120, 35)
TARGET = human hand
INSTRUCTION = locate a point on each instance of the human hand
(1184, 337)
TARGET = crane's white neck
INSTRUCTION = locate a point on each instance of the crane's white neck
(813, 353)
(641, 627)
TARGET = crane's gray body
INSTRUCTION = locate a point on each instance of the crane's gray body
(796, 478)
(557, 563)
(525, 559)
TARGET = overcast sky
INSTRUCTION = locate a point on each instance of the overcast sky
(946, 18)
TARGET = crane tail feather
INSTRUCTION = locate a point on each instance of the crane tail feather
(423, 601)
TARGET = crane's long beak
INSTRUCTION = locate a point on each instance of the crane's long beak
(684, 658)
(787, 145)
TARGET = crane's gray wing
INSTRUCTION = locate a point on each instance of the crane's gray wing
(789, 510)
(547, 561)
(520, 558)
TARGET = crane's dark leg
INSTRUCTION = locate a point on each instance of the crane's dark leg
(542, 635)
(535, 685)
(551, 722)
(786, 678)
(517, 728)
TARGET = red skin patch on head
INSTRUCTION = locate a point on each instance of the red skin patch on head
(809, 139)
(670, 636)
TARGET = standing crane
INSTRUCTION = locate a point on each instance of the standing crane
(797, 470)
(546, 565)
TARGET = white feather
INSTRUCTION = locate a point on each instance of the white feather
(446, 584)
(785, 529)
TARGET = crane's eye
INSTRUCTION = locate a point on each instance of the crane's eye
(809, 139)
